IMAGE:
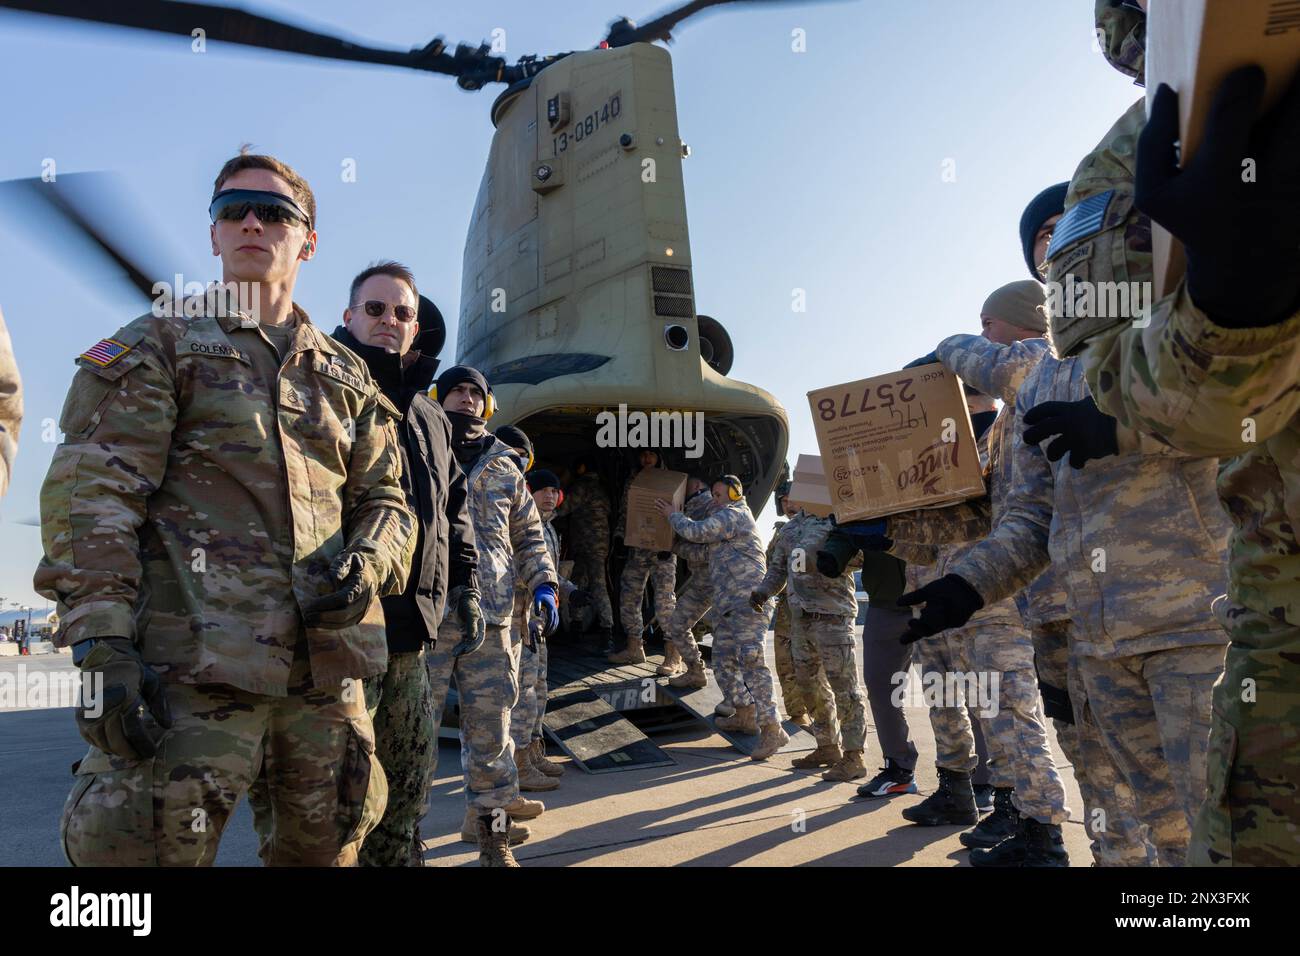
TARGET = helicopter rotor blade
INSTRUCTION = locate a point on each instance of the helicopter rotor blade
(623, 32)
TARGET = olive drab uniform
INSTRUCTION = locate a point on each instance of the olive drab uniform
(642, 566)
(212, 469)
(822, 615)
(587, 506)
(696, 596)
(11, 407)
(793, 694)
(512, 548)
(736, 567)
(1214, 391)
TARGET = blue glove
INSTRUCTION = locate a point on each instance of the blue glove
(546, 607)
(930, 359)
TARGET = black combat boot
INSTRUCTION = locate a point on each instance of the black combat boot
(952, 804)
(1034, 844)
(998, 825)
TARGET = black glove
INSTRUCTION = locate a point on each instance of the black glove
(578, 600)
(473, 628)
(663, 555)
(1085, 431)
(126, 714)
(829, 563)
(358, 586)
(1242, 237)
(757, 598)
(949, 602)
(923, 360)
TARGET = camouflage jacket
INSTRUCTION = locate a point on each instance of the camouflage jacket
(588, 505)
(11, 407)
(736, 564)
(508, 532)
(151, 513)
(1000, 370)
(792, 567)
(781, 620)
(695, 555)
(1138, 539)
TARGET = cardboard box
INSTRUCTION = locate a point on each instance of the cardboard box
(808, 489)
(1192, 45)
(646, 527)
(896, 442)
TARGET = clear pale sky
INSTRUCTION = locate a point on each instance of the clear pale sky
(821, 171)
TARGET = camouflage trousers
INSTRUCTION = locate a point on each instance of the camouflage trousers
(823, 651)
(793, 695)
(947, 653)
(1016, 732)
(487, 686)
(1251, 815)
(738, 661)
(589, 575)
(323, 791)
(526, 717)
(1115, 836)
(643, 566)
(401, 706)
(1153, 714)
(691, 603)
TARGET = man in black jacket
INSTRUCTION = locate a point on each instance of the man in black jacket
(381, 326)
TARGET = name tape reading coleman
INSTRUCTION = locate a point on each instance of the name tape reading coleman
(896, 442)
(1192, 45)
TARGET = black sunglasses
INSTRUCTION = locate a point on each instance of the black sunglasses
(233, 205)
(403, 313)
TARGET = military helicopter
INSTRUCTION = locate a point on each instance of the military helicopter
(577, 292)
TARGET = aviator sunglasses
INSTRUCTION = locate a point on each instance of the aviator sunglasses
(268, 207)
(403, 313)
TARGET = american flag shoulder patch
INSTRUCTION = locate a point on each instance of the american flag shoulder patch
(105, 352)
(1082, 220)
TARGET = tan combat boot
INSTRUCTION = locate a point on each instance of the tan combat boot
(673, 662)
(632, 653)
(525, 809)
(530, 778)
(773, 739)
(802, 720)
(743, 721)
(826, 755)
(494, 844)
(537, 754)
(849, 768)
(693, 678)
(469, 829)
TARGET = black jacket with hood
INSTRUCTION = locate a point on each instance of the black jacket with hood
(445, 555)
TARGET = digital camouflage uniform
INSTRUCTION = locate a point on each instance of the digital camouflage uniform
(823, 611)
(736, 567)
(696, 596)
(11, 407)
(1138, 540)
(1201, 387)
(203, 488)
(792, 694)
(642, 566)
(587, 505)
(511, 547)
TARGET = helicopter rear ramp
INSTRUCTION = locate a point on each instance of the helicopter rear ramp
(701, 702)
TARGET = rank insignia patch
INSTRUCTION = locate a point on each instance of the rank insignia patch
(105, 352)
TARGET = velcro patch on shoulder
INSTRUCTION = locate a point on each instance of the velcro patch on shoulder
(1082, 220)
(105, 352)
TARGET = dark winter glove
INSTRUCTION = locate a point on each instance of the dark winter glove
(949, 602)
(578, 600)
(663, 555)
(866, 535)
(923, 360)
(1085, 431)
(125, 712)
(1241, 230)
(757, 598)
(546, 608)
(473, 628)
(358, 585)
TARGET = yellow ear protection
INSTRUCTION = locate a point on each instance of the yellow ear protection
(489, 407)
(735, 490)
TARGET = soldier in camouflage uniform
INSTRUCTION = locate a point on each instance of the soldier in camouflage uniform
(736, 567)
(823, 611)
(660, 569)
(587, 506)
(1209, 370)
(794, 694)
(695, 597)
(11, 407)
(511, 546)
(219, 526)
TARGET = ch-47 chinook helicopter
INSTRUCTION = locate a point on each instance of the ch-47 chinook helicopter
(577, 291)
